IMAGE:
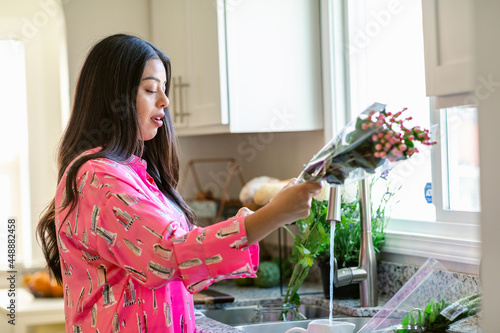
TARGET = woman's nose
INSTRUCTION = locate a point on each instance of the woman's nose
(163, 101)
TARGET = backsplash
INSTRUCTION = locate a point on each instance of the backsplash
(392, 276)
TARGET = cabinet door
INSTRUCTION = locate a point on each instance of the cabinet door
(169, 32)
(448, 44)
(188, 32)
(274, 69)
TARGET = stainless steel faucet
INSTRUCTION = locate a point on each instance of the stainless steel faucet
(366, 273)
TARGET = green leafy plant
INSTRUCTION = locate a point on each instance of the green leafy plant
(438, 316)
(308, 244)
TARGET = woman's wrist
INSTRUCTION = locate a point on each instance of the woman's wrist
(289, 205)
(261, 223)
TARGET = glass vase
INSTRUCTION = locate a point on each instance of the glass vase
(271, 312)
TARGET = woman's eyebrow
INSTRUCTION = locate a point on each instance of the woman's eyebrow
(155, 79)
(151, 78)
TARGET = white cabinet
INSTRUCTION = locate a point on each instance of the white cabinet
(245, 66)
(449, 48)
(188, 32)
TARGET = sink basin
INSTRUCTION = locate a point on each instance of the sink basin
(282, 326)
(241, 315)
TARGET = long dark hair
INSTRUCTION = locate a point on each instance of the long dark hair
(104, 115)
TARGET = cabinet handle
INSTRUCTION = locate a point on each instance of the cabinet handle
(178, 87)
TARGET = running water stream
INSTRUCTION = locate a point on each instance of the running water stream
(333, 217)
(332, 267)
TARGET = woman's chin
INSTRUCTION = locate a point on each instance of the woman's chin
(148, 136)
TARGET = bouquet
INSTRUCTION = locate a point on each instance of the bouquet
(376, 137)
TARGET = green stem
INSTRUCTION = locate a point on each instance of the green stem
(302, 275)
(291, 282)
(299, 274)
(289, 231)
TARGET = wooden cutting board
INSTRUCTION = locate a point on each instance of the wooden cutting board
(209, 296)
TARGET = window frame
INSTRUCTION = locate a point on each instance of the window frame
(439, 169)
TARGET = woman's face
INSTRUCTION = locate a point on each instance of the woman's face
(151, 99)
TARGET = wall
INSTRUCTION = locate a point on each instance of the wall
(488, 68)
(279, 155)
(88, 21)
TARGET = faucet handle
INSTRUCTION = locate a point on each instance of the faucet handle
(349, 275)
(342, 277)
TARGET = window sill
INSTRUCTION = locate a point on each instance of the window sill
(457, 245)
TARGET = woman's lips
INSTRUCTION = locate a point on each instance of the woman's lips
(158, 120)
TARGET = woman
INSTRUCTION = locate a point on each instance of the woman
(117, 235)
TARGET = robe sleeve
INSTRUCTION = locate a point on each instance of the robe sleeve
(136, 232)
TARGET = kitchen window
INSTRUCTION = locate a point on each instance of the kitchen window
(458, 163)
(461, 159)
(34, 109)
(14, 173)
(376, 54)
(386, 65)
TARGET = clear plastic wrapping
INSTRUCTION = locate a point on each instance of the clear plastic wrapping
(431, 284)
(372, 142)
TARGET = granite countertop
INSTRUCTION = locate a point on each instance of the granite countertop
(310, 294)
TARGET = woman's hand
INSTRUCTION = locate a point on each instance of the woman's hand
(289, 205)
(293, 202)
(244, 211)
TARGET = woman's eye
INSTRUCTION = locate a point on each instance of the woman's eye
(150, 91)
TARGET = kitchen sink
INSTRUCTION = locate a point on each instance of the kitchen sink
(241, 315)
(282, 326)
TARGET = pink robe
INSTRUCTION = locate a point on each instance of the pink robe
(129, 260)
